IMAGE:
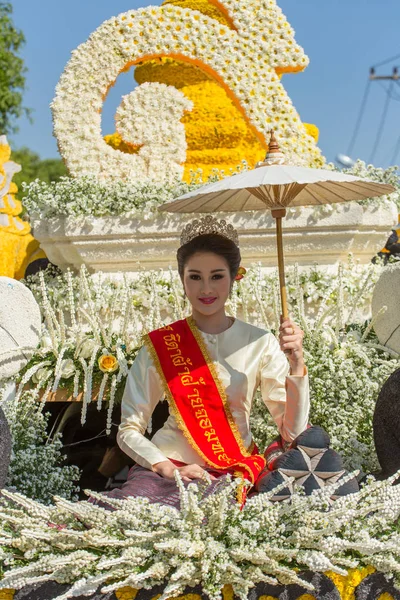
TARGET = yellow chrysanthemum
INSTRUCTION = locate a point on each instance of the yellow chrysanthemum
(204, 6)
(312, 130)
(115, 141)
(347, 584)
(126, 593)
(5, 153)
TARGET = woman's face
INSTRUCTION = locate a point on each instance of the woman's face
(207, 282)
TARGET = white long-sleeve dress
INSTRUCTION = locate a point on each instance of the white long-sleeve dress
(246, 358)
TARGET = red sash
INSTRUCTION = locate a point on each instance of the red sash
(198, 401)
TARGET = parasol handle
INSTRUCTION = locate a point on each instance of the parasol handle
(278, 214)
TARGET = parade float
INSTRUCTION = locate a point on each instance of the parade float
(211, 76)
(162, 124)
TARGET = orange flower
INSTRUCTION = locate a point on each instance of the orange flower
(108, 363)
(240, 274)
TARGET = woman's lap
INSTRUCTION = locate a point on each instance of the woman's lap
(143, 483)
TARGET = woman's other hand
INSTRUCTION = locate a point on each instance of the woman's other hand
(188, 472)
(291, 343)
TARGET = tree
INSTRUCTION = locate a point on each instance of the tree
(12, 70)
(33, 167)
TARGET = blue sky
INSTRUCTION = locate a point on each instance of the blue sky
(343, 38)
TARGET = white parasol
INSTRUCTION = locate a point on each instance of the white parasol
(275, 186)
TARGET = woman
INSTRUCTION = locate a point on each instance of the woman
(208, 367)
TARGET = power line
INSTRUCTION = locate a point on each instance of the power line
(392, 94)
(396, 97)
(359, 119)
(395, 153)
(384, 62)
(382, 123)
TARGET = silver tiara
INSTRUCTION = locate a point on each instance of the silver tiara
(207, 225)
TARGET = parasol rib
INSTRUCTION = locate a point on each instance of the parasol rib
(261, 194)
(331, 191)
(379, 190)
(310, 192)
(248, 200)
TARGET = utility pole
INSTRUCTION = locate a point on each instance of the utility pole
(393, 77)
(345, 160)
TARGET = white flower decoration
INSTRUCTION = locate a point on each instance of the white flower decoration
(87, 348)
(41, 375)
(67, 368)
(150, 116)
(246, 60)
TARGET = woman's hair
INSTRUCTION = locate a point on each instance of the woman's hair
(214, 243)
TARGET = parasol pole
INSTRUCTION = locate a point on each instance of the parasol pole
(278, 214)
(276, 157)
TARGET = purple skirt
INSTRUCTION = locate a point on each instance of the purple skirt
(143, 483)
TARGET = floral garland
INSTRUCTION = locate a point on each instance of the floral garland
(87, 196)
(389, 175)
(37, 466)
(245, 62)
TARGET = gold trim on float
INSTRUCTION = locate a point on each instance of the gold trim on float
(7, 594)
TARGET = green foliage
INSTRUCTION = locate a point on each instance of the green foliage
(33, 167)
(12, 72)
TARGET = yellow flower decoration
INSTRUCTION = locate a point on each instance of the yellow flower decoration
(346, 584)
(17, 245)
(115, 141)
(108, 363)
(7, 594)
(126, 593)
(240, 274)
